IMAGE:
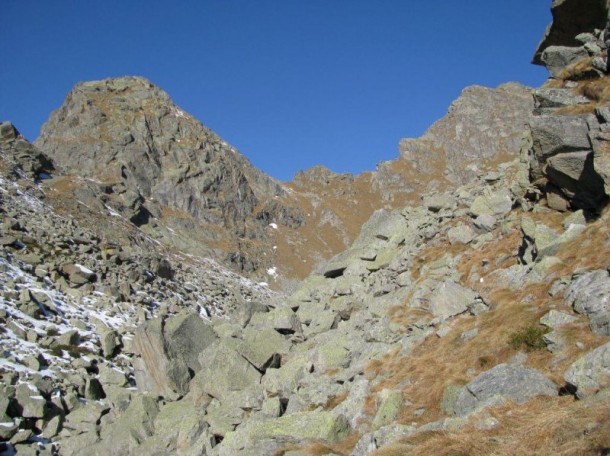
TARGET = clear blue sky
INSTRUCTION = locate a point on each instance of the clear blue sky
(290, 83)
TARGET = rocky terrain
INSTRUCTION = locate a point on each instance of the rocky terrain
(122, 146)
(465, 309)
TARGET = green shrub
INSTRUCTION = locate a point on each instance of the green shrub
(530, 338)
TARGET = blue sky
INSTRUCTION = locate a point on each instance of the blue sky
(290, 83)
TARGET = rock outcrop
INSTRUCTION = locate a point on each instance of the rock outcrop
(571, 18)
(159, 167)
(569, 140)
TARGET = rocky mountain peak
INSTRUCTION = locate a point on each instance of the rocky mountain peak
(152, 161)
(127, 130)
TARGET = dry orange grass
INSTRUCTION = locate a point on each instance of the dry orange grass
(342, 448)
(553, 426)
(597, 90)
(498, 254)
(581, 70)
(437, 363)
(558, 427)
(432, 252)
(591, 250)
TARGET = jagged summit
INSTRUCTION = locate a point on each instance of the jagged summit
(128, 131)
(164, 170)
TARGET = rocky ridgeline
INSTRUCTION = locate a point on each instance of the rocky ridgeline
(475, 320)
(571, 132)
(121, 146)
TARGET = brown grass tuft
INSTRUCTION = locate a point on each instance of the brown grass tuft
(581, 70)
(558, 426)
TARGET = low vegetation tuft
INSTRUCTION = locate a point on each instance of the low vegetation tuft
(529, 338)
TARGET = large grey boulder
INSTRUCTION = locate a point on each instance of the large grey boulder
(281, 319)
(589, 295)
(30, 401)
(262, 348)
(557, 58)
(556, 98)
(570, 19)
(223, 371)
(302, 427)
(562, 151)
(180, 429)
(555, 319)
(591, 373)
(492, 202)
(501, 383)
(130, 429)
(450, 299)
(169, 351)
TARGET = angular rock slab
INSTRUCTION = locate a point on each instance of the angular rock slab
(450, 299)
(169, 351)
(224, 371)
(501, 383)
(494, 203)
(297, 427)
(590, 373)
(589, 295)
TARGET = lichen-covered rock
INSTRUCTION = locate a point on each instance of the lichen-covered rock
(591, 373)
(494, 203)
(450, 299)
(589, 295)
(501, 383)
(390, 403)
(180, 429)
(297, 427)
(130, 430)
(556, 319)
(223, 371)
(263, 348)
(169, 351)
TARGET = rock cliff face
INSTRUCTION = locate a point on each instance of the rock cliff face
(569, 136)
(153, 161)
(482, 127)
(473, 318)
(570, 18)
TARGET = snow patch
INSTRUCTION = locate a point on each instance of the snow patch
(83, 269)
(112, 212)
